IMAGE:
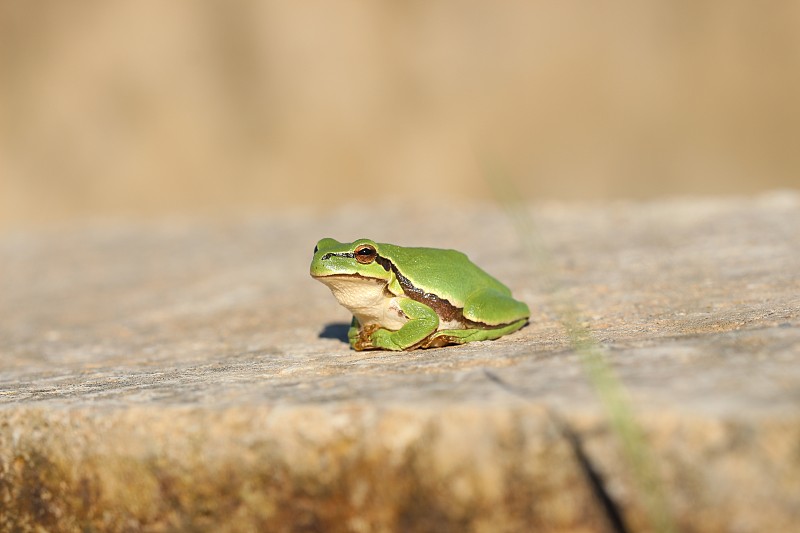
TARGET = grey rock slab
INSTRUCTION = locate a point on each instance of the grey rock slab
(189, 374)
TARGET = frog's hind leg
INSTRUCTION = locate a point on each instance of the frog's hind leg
(462, 336)
(494, 313)
(494, 308)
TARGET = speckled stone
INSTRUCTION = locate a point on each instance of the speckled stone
(189, 375)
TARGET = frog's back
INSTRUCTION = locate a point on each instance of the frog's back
(432, 268)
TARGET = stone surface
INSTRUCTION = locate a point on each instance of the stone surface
(184, 374)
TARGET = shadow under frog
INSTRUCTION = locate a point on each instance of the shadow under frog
(335, 330)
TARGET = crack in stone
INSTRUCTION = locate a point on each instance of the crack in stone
(594, 479)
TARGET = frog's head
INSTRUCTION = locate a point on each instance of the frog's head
(359, 258)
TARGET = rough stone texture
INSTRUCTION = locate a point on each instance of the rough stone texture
(189, 375)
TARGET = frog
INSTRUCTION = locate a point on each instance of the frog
(404, 298)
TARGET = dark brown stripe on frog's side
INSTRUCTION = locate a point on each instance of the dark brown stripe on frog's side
(446, 311)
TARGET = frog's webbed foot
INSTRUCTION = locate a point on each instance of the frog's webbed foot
(363, 341)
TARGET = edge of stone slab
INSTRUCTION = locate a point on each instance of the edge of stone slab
(347, 467)
(332, 468)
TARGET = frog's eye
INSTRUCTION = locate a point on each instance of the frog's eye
(365, 254)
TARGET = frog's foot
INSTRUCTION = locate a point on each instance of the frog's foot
(463, 336)
(363, 340)
(422, 322)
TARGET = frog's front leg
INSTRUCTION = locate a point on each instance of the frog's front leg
(422, 321)
(352, 333)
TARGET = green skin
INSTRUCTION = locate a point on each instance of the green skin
(406, 298)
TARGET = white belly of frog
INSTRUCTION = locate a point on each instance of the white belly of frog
(368, 300)
(450, 324)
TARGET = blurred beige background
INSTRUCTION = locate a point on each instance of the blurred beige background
(151, 107)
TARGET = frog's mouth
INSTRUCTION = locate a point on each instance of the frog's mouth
(342, 284)
(354, 276)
